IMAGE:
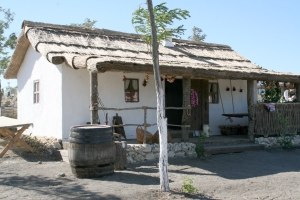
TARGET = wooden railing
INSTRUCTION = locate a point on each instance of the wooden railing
(285, 119)
(145, 109)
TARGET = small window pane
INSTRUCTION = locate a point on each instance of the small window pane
(131, 88)
(36, 92)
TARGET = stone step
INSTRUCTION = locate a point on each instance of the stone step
(231, 148)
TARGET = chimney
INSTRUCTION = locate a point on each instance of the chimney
(168, 42)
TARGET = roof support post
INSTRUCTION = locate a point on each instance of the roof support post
(251, 100)
(94, 118)
(297, 87)
(186, 86)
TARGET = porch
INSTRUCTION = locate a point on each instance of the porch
(220, 144)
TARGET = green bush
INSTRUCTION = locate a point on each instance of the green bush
(188, 187)
(200, 146)
(286, 142)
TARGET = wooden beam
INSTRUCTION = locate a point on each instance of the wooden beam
(297, 87)
(186, 114)
(251, 100)
(94, 118)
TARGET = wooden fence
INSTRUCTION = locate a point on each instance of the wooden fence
(145, 124)
(285, 119)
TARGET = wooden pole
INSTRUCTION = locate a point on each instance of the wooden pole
(186, 113)
(94, 118)
(145, 126)
(297, 87)
(251, 100)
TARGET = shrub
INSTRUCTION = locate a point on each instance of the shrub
(188, 187)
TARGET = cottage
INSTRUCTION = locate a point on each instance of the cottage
(68, 75)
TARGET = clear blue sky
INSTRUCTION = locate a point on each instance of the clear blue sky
(267, 32)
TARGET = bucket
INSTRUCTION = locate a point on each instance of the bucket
(92, 151)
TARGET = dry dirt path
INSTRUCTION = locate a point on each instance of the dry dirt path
(266, 174)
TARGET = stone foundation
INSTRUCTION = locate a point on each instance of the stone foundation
(270, 142)
(137, 153)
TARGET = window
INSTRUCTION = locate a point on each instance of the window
(36, 91)
(213, 93)
(131, 87)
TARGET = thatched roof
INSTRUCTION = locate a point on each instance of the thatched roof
(107, 50)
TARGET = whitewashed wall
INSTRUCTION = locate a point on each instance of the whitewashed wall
(240, 105)
(46, 115)
(111, 93)
(75, 99)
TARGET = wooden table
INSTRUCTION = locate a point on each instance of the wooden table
(7, 125)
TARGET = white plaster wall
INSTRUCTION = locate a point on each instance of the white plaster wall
(111, 93)
(240, 105)
(46, 115)
(75, 99)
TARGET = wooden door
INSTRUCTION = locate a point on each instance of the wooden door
(199, 110)
(173, 98)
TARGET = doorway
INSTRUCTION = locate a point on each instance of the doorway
(173, 98)
(200, 109)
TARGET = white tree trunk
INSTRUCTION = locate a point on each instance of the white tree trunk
(161, 120)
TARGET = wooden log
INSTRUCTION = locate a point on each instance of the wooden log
(186, 114)
(121, 159)
(251, 100)
(94, 97)
(297, 87)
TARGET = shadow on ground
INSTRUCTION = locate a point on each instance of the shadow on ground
(51, 188)
(242, 165)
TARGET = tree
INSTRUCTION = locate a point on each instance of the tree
(153, 25)
(88, 23)
(6, 43)
(198, 35)
(164, 18)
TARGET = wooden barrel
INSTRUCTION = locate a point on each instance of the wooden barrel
(92, 151)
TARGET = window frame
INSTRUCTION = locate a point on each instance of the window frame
(131, 95)
(36, 91)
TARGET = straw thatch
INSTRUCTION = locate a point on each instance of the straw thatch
(106, 50)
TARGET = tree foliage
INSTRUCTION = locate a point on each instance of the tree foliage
(272, 92)
(198, 35)
(6, 43)
(164, 18)
(88, 24)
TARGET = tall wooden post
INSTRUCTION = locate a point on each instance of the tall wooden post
(94, 118)
(251, 100)
(297, 87)
(186, 114)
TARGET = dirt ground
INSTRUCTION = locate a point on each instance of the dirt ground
(265, 174)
